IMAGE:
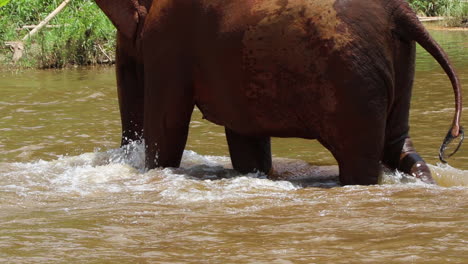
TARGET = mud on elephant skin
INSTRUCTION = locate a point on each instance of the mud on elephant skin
(314, 69)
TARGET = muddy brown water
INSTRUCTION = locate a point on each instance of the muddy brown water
(68, 194)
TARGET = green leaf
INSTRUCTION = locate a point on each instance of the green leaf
(3, 2)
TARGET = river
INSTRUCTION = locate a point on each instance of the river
(68, 194)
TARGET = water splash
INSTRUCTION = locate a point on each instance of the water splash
(122, 171)
(200, 177)
(448, 176)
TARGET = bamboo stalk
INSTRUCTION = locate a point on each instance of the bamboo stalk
(18, 46)
(46, 20)
(47, 26)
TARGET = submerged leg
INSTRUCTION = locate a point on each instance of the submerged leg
(249, 154)
(130, 89)
(358, 155)
(407, 160)
(168, 108)
(358, 152)
(412, 163)
(354, 132)
(167, 122)
(399, 152)
(359, 170)
(358, 159)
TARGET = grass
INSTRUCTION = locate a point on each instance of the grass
(455, 10)
(84, 35)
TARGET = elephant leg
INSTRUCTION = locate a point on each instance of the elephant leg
(400, 155)
(412, 163)
(399, 152)
(359, 162)
(358, 153)
(168, 108)
(355, 137)
(249, 154)
(403, 157)
(130, 90)
(359, 170)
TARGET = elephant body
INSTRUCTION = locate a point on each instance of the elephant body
(339, 71)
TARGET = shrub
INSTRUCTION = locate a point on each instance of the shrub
(84, 34)
(455, 10)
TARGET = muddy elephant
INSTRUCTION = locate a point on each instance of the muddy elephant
(339, 71)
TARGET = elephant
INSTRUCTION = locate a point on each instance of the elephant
(338, 71)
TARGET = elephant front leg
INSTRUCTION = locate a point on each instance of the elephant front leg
(168, 108)
(249, 154)
(166, 129)
(130, 90)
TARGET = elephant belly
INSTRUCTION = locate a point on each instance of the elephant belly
(280, 104)
(276, 73)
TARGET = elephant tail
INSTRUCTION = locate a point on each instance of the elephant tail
(409, 26)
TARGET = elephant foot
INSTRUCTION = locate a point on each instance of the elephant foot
(411, 163)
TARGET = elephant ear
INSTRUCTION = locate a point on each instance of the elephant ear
(124, 14)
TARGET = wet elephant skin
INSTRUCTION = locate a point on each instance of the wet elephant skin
(337, 71)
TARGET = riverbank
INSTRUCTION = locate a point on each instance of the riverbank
(82, 35)
(436, 26)
(79, 35)
(454, 12)
(440, 23)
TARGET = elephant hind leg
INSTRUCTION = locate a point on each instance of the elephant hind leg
(407, 160)
(249, 154)
(359, 170)
(357, 164)
(358, 153)
(399, 152)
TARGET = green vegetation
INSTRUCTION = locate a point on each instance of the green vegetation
(3, 2)
(80, 35)
(455, 10)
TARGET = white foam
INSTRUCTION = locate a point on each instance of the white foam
(201, 178)
(122, 170)
(185, 189)
(448, 176)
